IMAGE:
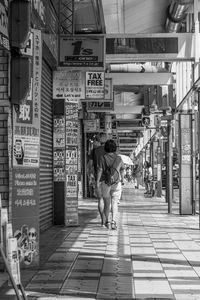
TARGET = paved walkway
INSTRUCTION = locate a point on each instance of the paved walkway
(152, 255)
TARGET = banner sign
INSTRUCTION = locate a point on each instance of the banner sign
(94, 85)
(82, 51)
(26, 121)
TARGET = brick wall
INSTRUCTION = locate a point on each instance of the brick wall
(4, 109)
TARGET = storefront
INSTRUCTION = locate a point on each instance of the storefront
(32, 139)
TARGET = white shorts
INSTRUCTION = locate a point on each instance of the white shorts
(114, 191)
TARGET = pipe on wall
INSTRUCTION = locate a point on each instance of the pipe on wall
(176, 14)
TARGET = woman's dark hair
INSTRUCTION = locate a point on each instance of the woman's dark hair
(110, 146)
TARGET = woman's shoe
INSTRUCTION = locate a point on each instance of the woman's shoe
(114, 225)
(108, 225)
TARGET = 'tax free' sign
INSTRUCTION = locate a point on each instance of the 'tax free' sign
(95, 83)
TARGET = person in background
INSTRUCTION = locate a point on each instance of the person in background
(128, 175)
(111, 193)
(138, 175)
(96, 153)
(147, 177)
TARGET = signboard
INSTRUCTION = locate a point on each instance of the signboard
(94, 85)
(141, 45)
(99, 106)
(4, 40)
(82, 51)
(158, 46)
(107, 104)
(91, 125)
(68, 85)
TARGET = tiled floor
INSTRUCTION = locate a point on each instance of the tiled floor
(152, 255)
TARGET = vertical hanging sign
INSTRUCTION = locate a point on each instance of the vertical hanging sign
(94, 85)
(25, 159)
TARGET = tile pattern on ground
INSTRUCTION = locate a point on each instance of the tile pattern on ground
(152, 255)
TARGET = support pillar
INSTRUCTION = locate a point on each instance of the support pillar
(169, 168)
(185, 142)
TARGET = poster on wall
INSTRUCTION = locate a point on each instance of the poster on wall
(25, 209)
(25, 151)
(71, 111)
(59, 124)
(71, 190)
(71, 156)
(59, 157)
(59, 173)
(94, 85)
(71, 132)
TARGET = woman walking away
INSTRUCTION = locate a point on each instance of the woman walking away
(147, 177)
(109, 179)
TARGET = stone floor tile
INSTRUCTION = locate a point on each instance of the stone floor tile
(153, 288)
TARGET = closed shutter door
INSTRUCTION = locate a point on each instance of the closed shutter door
(46, 150)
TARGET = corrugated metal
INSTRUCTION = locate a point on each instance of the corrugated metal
(46, 150)
(135, 16)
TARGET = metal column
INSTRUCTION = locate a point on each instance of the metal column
(169, 168)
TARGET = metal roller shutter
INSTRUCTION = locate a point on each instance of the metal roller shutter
(46, 150)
